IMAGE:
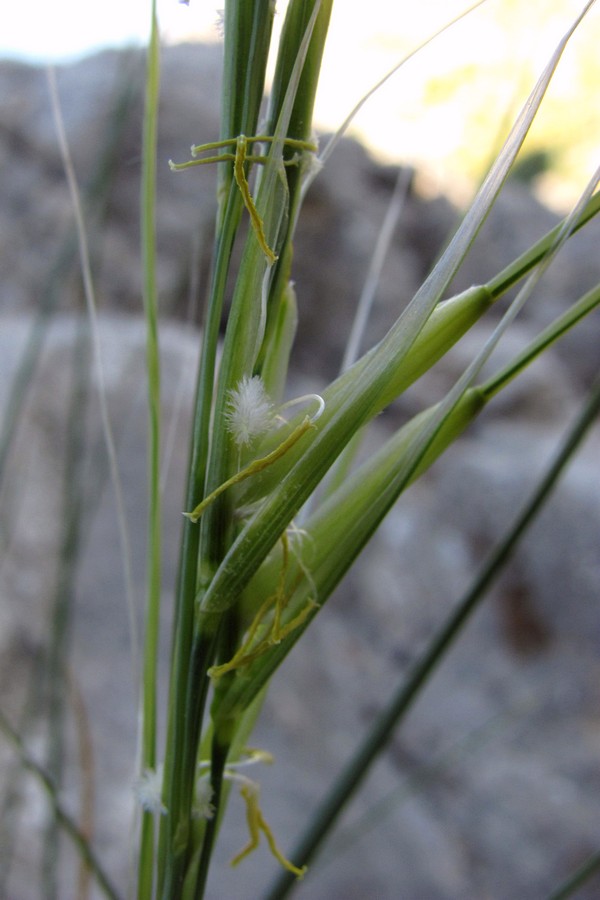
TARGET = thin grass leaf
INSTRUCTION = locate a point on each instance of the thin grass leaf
(552, 333)
(418, 781)
(86, 766)
(578, 879)
(515, 271)
(95, 202)
(365, 303)
(99, 367)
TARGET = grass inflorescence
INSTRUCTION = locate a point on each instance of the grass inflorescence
(279, 503)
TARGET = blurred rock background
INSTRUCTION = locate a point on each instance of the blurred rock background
(491, 788)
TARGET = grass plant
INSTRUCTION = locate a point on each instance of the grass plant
(276, 507)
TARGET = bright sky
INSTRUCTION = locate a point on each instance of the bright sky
(401, 122)
(66, 29)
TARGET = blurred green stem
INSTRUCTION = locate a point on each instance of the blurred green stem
(153, 587)
(589, 868)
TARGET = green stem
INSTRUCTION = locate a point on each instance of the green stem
(247, 36)
(590, 867)
(153, 587)
(517, 269)
(389, 719)
(548, 336)
(183, 705)
(298, 129)
(177, 831)
(220, 750)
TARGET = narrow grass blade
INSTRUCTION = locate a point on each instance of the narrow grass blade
(93, 317)
(578, 879)
(367, 297)
(95, 200)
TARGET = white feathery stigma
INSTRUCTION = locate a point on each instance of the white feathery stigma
(148, 790)
(249, 411)
(203, 808)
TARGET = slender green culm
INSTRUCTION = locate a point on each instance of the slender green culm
(578, 879)
(154, 575)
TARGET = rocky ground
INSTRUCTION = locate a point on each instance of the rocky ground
(491, 788)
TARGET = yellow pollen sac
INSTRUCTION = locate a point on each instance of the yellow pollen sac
(251, 648)
(256, 824)
(252, 469)
(239, 160)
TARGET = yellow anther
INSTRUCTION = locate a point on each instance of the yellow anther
(252, 468)
(256, 824)
(239, 160)
(251, 649)
(242, 183)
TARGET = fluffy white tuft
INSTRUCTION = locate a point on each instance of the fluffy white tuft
(203, 808)
(249, 410)
(148, 790)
